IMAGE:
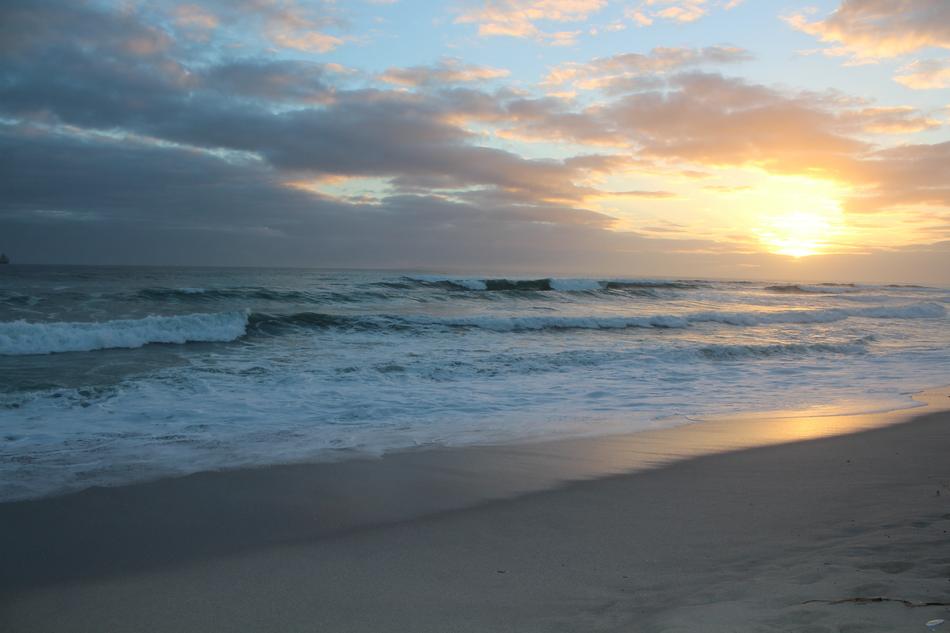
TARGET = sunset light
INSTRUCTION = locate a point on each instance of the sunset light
(365, 315)
(796, 234)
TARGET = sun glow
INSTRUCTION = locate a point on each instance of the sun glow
(797, 234)
(799, 217)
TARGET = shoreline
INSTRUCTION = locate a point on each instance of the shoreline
(865, 413)
(456, 477)
(118, 538)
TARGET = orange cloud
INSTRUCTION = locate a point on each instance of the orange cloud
(518, 18)
(681, 11)
(448, 71)
(903, 178)
(874, 29)
(195, 17)
(890, 120)
(307, 41)
(928, 74)
(635, 70)
(294, 25)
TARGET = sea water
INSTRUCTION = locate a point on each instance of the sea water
(116, 375)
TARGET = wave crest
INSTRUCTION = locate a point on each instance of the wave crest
(739, 352)
(276, 324)
(18, 338)
(544, 284)
(817, 289)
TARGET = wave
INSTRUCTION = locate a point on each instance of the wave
(814, 289)
(506, 324)
(826, 315)
(24, 338)
(277, 324)
(738, 352)
(19, 338)
(542, 284)
(514, 363)
(620, 284)
(521, 323)
(193, 294)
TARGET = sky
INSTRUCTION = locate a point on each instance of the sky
(714, 138)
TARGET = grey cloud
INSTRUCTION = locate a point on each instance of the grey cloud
(184, 157)
(380, 133)
(122, 201)
(273, 81)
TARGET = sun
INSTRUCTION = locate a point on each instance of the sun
(798, 234)
(797, 216)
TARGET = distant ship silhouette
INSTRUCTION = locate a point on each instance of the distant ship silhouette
(4, 259)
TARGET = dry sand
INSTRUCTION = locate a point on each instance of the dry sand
(736, 541)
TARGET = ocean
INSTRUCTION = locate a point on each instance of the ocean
(115, 375)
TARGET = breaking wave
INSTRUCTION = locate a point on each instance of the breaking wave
(198, 294)
(738, 352)
(23, 338)
(276, 324)
(545, 284)
(911, 311)
(822, 289)
(19, 338)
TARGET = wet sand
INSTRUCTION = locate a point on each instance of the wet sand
(685, 529)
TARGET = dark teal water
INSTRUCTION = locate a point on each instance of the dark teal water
(111, 375)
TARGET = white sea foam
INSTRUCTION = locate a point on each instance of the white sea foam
(750, 318)
(22, 337)
(512, 324)
(376, 361)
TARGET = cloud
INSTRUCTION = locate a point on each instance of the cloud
(192, 16)
(127, 131)
(710, 120)
(295, 25)
(448, 71)
(45, 25)
(519, 18)
(308, 41)
(907, 176)
(648, 12)
(284, 24)
(928, 74)
(684, 12)
(728, 189)
(874, 29)
(277, 81)
(706, 120)
(890, 120)
(633, 71)
(413, 140)
(120, 200)
(641, 194)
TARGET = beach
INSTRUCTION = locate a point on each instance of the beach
(702, 527)
(490, 316)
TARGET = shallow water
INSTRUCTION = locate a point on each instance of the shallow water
(113, 375)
